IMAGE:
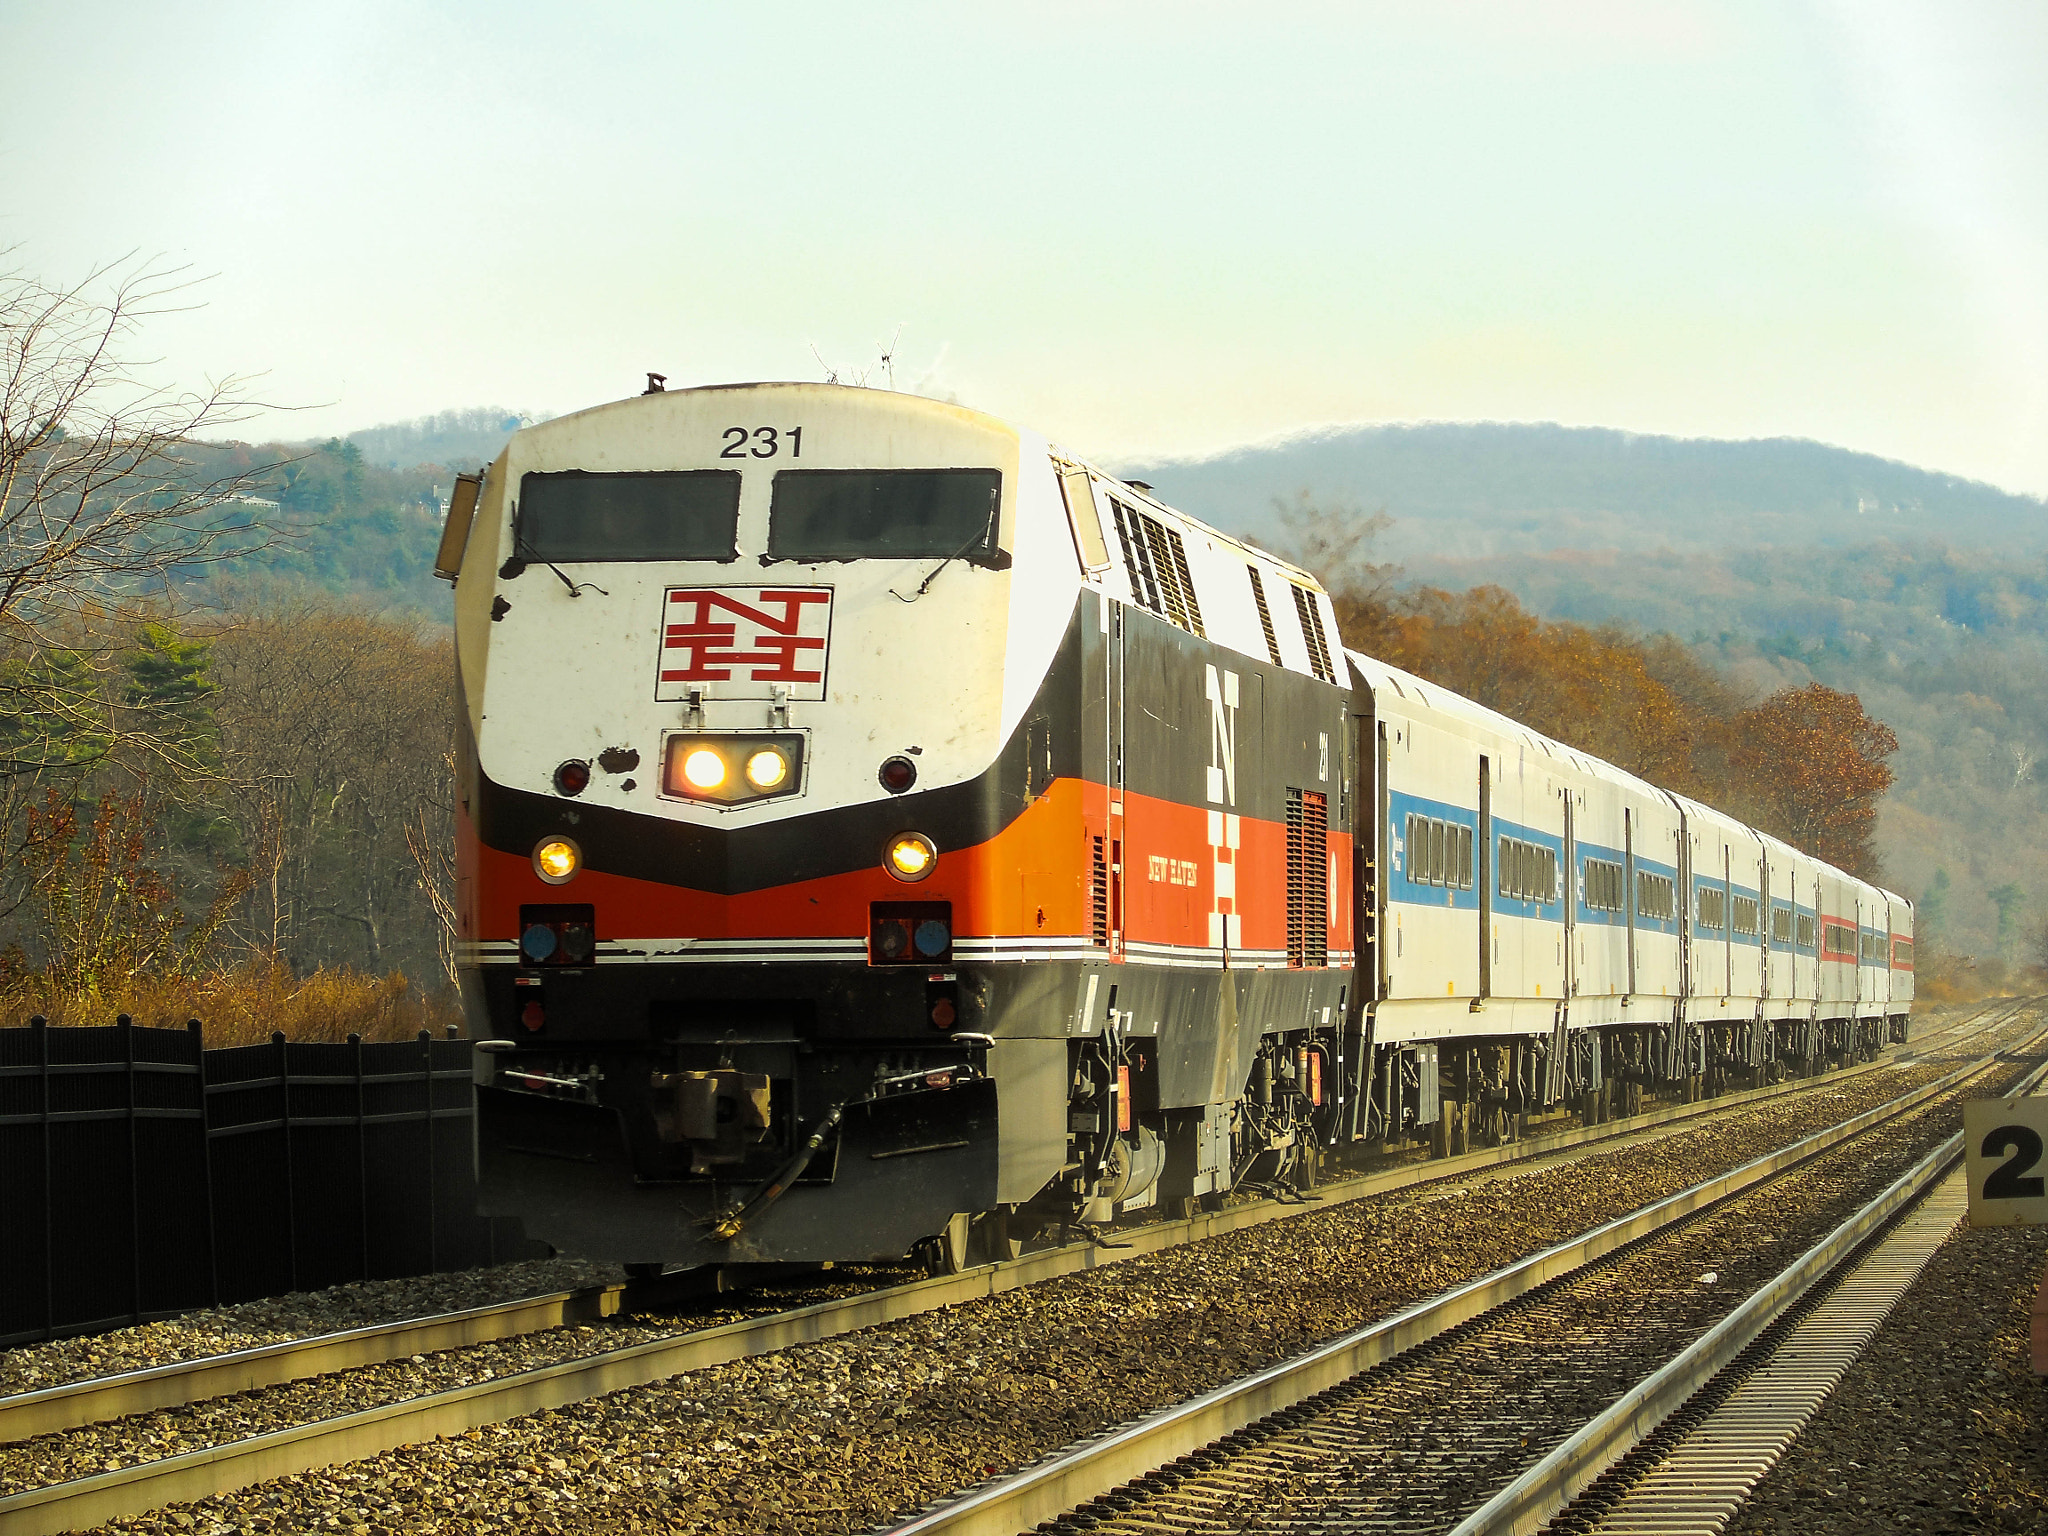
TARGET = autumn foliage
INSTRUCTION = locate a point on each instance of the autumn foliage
(1806, 764)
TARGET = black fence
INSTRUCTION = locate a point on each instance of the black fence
(142, 1175)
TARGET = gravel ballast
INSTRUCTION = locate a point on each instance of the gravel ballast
(836, 1436)
(281, 1319)
(1941, 1425)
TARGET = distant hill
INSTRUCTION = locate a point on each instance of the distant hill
(1465, 490)
(458, 439)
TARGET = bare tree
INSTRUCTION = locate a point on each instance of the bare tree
(99, 500)
(1335, 540)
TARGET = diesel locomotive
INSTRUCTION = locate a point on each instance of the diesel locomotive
(881, 830)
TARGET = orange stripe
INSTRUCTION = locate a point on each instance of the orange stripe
(1030, 880)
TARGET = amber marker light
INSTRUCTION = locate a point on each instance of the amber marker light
(767, 768)
(910, 856)
(556, 860)
(703, 769)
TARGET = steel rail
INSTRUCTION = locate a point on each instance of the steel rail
(86, 1502)
(100, 1398)
(1095, 1466)
(1528, 1504)
(1695, 1489)
(72, 1405)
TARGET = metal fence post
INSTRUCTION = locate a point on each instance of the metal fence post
(362, 1165)
(126, 1026)
(41, 1028)
(206, 1161)
(291, 1182)
(427, 1128)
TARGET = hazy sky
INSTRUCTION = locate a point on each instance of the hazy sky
(1144, 228)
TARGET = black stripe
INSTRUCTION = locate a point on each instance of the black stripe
(730, 861)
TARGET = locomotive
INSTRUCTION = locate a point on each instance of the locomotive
(882, 831)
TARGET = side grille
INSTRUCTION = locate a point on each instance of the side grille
(1265, 614)
(1312, 632)
(1176, 584)
(1098, 896)
(1308, 879)
(1130, 537)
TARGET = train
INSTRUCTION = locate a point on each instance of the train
(884, 833)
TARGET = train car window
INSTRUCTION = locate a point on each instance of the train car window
(1604, 885)
(1265, 614)
(1086, 522)
(885, 514)
(1746, 916)
(1528, 871)
(1805, 940)
(1710, 907)
(574, 515)
(1781, 925)
(1836, 943)
(1464, 858)
(1656, 896)
(1436, 853)
(1902, 953)
(1408, 843)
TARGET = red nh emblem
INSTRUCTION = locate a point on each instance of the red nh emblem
(745, 638)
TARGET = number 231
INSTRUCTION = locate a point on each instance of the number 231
(767, 442)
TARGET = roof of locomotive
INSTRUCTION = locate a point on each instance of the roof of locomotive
(896, 400)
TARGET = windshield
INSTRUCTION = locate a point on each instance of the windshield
(885, 514)
(574, 514)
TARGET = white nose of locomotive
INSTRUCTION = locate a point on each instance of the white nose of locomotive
(733, 606)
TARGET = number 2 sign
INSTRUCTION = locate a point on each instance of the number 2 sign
(2005, 1141)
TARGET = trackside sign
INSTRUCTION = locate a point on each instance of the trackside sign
(2005, 1141)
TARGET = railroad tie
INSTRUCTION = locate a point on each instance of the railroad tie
(1705, 1478)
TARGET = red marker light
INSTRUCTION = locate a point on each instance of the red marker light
(572, 778)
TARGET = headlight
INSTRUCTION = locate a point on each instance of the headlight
(556, 860)
(767, 768)
(910, 856)
(729, 770)
(704, 769)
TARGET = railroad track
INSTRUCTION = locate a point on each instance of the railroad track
(220, 1468)
(1488, 1409)
(174, 1385)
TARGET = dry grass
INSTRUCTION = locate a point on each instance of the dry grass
(243, 1006)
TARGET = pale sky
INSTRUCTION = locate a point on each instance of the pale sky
(1145, 228)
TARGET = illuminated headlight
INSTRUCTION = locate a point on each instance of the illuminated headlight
(556, 860)
(703, 769)
(910, 856)
(732, 770)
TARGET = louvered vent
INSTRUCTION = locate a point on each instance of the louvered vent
(1308, 879)
(1312, 632)
(1187, 584)
(1265, 614)
(1098, 897)
(1176, 585)
(1137, 558)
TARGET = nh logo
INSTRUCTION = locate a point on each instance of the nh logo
(1222, 737)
